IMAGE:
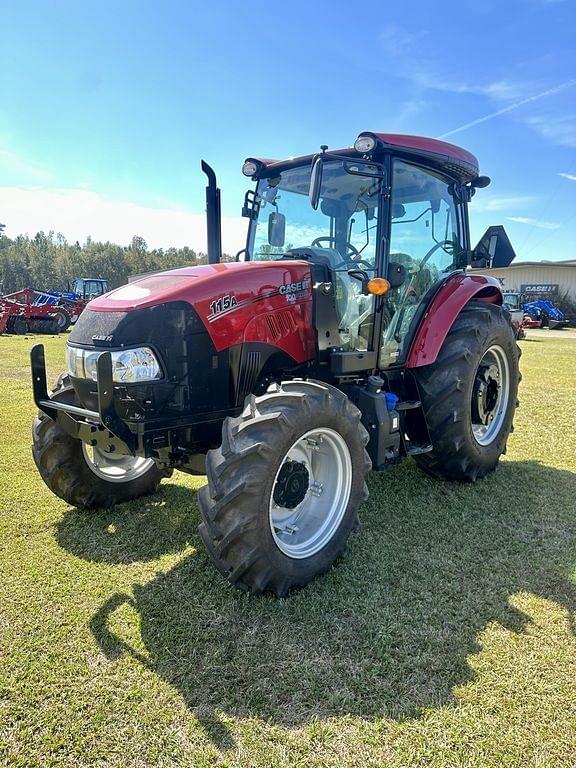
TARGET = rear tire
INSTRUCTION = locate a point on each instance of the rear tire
(247, 495)
(63, 465)
(481, 340)
(20, 326)
(62, 319)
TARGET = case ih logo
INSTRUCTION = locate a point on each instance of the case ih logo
(294, 291)
(539, 288)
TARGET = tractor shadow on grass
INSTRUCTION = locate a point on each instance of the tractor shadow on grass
(137, 531)
(389, 631)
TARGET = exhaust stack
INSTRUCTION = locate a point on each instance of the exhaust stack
(213, 216)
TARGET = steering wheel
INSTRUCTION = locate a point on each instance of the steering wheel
(355, 259)
(332, 242)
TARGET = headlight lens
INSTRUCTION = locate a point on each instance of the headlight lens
(364, 144)
(129, 366)
(250, 168)
(75, 362)
(133, 365)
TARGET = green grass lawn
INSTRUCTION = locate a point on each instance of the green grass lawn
(446, 637)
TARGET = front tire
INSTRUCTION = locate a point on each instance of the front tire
(85, 477)
(469, 394)
(284, 487)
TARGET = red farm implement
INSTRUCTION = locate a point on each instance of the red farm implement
(20, 314)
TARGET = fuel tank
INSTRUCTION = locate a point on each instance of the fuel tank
(265, 302)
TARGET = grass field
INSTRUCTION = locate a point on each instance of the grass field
(446, 637)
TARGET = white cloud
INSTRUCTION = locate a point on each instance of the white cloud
(21, 166)
(561, 130)
(414, 63)
(534, 222)
(569, 176)
(79, 213)
(547, 129)
(396, 39)
(417, 62)
(487, 204)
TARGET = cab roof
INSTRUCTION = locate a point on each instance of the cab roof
(443, 154)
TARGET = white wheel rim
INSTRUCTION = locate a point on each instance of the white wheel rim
(303, 530)
(490, 413)
(115, 467)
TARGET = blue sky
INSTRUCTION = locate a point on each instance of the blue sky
(107, 108)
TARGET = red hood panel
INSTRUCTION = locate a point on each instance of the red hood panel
(233, 300)
(176, 285)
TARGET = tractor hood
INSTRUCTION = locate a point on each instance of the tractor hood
(237, 302)
(244, 280)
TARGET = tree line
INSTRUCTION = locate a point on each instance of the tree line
(49, 262)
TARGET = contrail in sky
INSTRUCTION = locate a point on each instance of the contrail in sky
(504, 110)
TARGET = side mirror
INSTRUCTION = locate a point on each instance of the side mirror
(435, 205)
(316, 182)
(396, 274)
(276, 229)
(480, 182)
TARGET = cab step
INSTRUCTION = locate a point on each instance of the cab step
(416, 450)
(407, 405)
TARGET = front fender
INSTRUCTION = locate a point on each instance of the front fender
(446, 305)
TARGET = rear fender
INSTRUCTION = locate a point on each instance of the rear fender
(444, 308)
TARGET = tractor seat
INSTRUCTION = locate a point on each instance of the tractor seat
(329, 257)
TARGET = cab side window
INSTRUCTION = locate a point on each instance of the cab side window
(425, 240)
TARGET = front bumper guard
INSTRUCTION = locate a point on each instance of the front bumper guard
(102, 428)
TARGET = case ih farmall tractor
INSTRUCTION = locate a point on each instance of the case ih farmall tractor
(347, 335)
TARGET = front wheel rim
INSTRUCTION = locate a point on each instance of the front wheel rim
(115, 468)
(490, 395)
(310, 493)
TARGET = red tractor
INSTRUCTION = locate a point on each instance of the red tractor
(348, 334)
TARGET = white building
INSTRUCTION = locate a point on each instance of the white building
(538, 278)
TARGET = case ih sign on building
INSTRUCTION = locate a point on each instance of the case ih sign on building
(539, 289)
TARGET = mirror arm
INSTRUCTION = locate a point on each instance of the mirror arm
(361, 276)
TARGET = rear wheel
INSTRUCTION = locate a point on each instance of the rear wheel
(20, 326)
(469, 394)
(62, 318)
(84, 476)
(285, 486)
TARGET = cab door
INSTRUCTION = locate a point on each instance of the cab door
(425, 238)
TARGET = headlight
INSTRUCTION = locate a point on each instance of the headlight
(251, 167)
(364, 144)
(133, 365)
(129, 366)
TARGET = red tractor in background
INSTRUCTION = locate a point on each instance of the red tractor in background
(348, 335)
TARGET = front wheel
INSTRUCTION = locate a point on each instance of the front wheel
(469, 394)
(285, 486)
(84, 476)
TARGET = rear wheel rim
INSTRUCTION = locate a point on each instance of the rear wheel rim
(310, 493)
(115, 468)
(60, 319)
(490, 395)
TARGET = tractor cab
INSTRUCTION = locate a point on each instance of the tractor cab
(89, 288)
(388, 219)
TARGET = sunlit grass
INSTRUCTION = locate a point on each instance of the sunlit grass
(445, 638)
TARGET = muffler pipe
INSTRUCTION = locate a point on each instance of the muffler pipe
(213, 216)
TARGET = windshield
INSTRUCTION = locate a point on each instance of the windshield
(512, 300)
(344, 223)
